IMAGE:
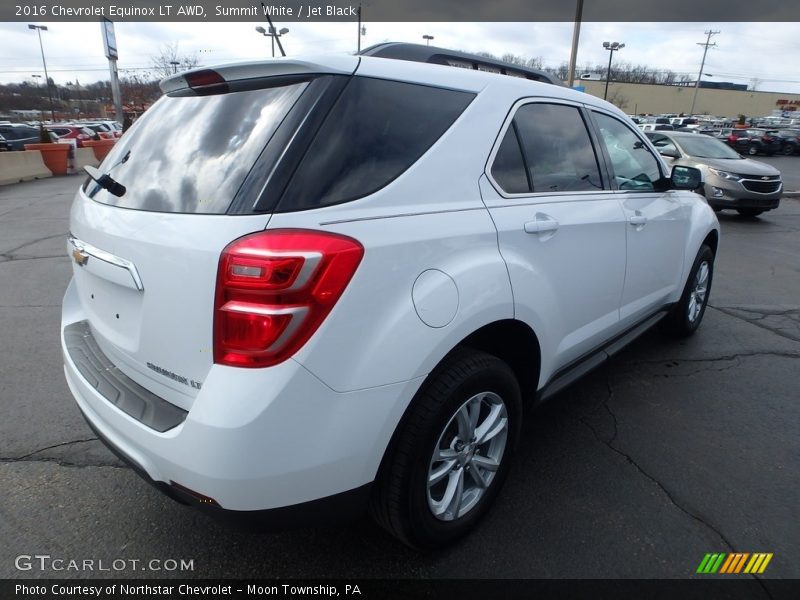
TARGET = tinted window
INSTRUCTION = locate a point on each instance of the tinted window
(634, 167)
(508, 168)
(707, 147)
(190, 154)
(557, 148)
(18, 133)
(375, 131)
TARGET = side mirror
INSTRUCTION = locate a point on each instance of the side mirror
(686, 178)
(669, 153)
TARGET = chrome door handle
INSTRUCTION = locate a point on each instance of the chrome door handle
(638, 220)
(541, 225)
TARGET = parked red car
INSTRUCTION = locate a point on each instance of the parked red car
(70, 132)
(103, 129)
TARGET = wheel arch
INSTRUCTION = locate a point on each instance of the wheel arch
(712, 241)
(510, 340)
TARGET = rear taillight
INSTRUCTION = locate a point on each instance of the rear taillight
(274, 289)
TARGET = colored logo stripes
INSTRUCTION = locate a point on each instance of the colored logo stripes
(735, 562)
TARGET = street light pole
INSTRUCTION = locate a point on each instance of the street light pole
(427, 39)
(39, 29)
(274, 34)
(611, 47)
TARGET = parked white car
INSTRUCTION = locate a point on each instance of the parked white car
(305, 286)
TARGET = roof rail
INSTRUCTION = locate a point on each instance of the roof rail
(454, 58)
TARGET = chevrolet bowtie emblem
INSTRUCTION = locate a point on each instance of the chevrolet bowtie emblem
(79, 257)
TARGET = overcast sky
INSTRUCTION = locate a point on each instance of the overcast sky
(768, 52)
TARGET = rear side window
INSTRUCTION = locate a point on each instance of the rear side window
(190, 154)
(375, 131)
(508, 168)
(547, 148)
(557, 148)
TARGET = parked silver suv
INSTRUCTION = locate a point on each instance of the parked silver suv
(731, 180)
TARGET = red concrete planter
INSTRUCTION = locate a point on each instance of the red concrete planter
(54, 156)
(101, 147)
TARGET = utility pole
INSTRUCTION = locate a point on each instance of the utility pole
(706, 45)
(576, 34)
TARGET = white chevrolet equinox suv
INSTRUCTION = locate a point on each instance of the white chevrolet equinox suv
(303, 288)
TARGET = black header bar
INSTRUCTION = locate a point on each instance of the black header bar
(705, 11)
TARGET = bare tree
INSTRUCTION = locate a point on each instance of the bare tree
(534, 63)
(621, 71)
(139, 90)
(618, 99)
(560, 71)
(168, 61)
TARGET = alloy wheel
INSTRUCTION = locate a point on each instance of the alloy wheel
(697, 297)
(467, 456)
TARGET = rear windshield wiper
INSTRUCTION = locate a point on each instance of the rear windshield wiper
(105, 181)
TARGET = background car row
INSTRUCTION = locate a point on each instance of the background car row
(16, 135)
(751, 141)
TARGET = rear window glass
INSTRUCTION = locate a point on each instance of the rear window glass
(190, 154)
(375, 131)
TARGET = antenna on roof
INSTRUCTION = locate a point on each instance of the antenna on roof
(272, 29)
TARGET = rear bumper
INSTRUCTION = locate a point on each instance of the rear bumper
(253, 439)
(340, 507)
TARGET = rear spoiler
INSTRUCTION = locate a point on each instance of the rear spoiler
(334, 65)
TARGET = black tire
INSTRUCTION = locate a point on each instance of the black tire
(750, 213)
(788, 150)
(400, 501)
(678, 322)
(752, 150)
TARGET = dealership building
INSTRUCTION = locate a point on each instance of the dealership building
(643, 98)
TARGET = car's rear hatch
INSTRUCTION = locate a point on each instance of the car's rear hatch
(145, 262)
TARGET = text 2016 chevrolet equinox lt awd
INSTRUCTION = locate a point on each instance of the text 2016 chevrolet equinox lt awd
(305, 287)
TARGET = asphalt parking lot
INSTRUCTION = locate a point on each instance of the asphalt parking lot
(670, 451)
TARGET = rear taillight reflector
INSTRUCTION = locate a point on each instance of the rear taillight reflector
(274, 289)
